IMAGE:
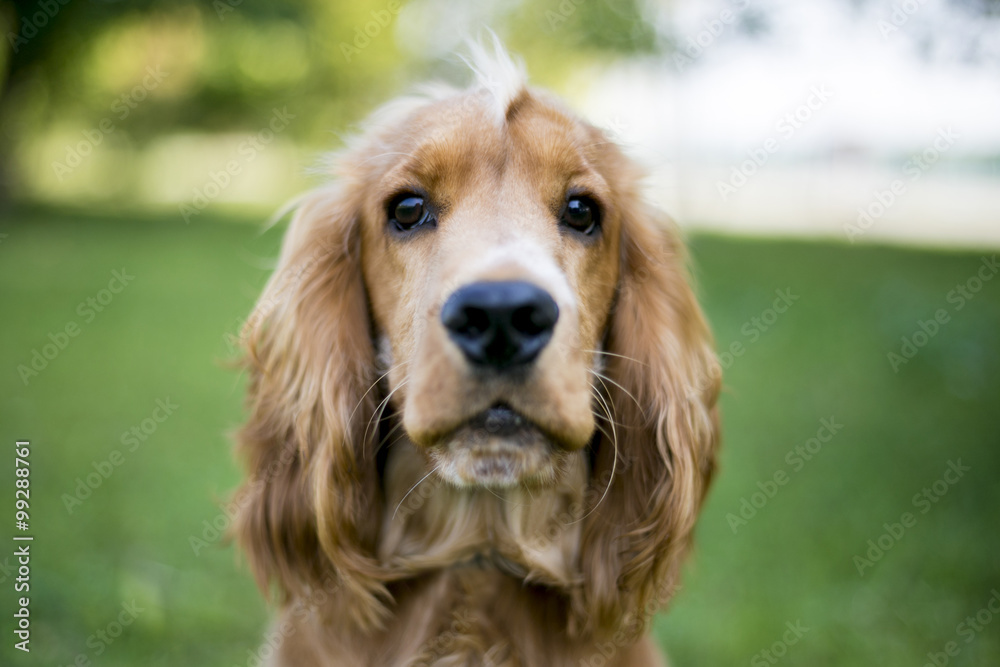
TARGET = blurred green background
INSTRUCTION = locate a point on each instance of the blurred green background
(166, 336)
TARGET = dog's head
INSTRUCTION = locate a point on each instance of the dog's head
(483, 280)
(490, 239)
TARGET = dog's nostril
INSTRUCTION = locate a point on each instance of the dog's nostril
(477, 320)
(467, 320)
(527, 320)
(535, 318)
(500, 324)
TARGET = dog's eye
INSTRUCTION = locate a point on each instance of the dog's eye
(409, 212)
(581, 214)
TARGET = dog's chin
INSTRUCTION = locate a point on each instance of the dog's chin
(498, 448)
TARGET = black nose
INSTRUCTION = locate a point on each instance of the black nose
(500, 324)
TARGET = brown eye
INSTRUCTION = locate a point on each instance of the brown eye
(409, 212)
(581, 214)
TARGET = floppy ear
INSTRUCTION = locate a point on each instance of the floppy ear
(309, 509)
(666, 381)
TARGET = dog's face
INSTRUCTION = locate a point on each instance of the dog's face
(490, 249)
(482, 280)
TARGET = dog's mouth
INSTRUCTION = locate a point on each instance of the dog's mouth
(500, 420)
(498, 447)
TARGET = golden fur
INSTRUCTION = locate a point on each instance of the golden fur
(395, 534)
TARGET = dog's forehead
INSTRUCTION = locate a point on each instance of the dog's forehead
(458, 141)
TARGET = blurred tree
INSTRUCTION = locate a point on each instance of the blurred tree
(157, 67)
(223, 65)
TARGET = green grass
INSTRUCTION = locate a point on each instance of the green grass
(164, 336)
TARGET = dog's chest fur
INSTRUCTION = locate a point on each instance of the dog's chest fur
(486, 556)
(463, 616)
(476, 573)
(529, 534)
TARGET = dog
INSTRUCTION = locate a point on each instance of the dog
(481, 395)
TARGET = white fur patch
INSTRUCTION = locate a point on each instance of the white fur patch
(518, 259)
(497, 73)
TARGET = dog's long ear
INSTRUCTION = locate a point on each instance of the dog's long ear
(666, 381)
(309, 510)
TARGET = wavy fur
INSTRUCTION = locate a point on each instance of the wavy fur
(544, 574)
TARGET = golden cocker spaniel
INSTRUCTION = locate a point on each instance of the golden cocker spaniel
(481, 396)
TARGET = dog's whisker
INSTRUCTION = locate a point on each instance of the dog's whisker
(377, 413)
(602, 377)
(389, 435)
(373, 385)
(615, 354)
(606, 417)
(527, 490)
(380, 409)
(600, 428)
(614, 461)
(419, 482)
(607, 392)
(507, 501)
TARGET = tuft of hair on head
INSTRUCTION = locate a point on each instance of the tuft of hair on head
(500, 75)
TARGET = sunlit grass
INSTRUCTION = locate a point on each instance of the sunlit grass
(164, 336)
